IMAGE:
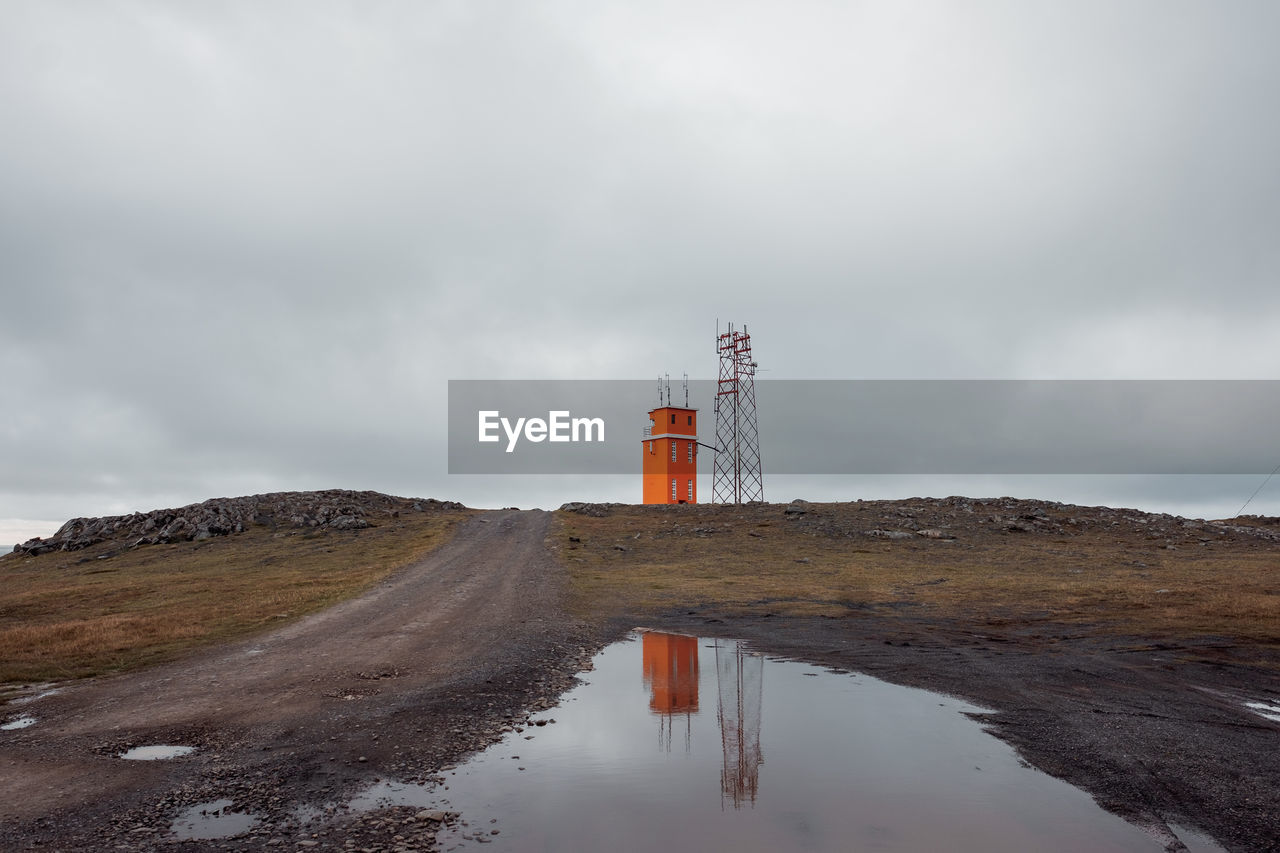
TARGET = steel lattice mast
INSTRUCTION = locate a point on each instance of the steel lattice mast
(738, 476)
(740, 681)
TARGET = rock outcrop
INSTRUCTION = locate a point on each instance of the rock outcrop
(946, 519)
(592, 509)
(334, 509)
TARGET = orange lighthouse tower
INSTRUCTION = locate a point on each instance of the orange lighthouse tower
(671, 453)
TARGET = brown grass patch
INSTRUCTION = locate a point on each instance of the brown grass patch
(68, 615)
(756, 560)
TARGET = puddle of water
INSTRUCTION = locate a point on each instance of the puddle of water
(386, 793)
(211, 820)
(20, 723)
(305, 813)
(689, 744)
(26, 700)
(1194, 841)
(156, 752)
(1270, 710)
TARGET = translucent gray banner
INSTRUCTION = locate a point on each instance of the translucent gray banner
(883, 426)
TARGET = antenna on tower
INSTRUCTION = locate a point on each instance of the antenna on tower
(660, 391)
(686, 390)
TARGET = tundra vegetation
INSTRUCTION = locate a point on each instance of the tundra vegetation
(1001, 564)
(115, 604)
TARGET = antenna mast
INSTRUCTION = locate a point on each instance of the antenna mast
(738, 476)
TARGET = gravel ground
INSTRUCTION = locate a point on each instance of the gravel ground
(436, 662)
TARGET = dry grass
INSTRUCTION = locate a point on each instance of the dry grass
(67, 615)
(756, 560)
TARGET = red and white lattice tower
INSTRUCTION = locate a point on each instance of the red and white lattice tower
(738, 476)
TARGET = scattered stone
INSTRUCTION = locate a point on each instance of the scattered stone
(591, 509)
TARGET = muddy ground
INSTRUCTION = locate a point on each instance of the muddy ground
(443, 657)
(429, 666)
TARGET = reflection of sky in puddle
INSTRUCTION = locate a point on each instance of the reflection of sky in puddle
(385, 793)
(211, 820)
(25, 700)
(20, 723)
(1270, 710)
(156, 752)
(685, 745)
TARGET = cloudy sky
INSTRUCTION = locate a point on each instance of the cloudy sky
(243, 246)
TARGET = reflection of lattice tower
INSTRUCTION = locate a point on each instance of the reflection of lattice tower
(740, 678)
(738, 477)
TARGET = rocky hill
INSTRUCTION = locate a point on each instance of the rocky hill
(955, 518)
(335, 509)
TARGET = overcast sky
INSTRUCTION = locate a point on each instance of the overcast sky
(244, 245)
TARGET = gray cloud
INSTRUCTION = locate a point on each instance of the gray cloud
(243, 246)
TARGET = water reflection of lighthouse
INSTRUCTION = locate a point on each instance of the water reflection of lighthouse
(740, 677)
(671, 674)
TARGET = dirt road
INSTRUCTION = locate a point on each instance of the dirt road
(424, 667)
